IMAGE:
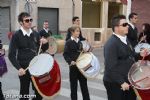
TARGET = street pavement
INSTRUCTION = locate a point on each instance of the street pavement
(10, 81)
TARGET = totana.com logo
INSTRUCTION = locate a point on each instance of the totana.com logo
(14, 95)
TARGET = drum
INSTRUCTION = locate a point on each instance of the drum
(85, 45)
(141, 46)
(45, 75)
(52, 45)
(88, 65)
(139, 77)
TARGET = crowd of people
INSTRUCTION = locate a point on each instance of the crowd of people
(119, 55)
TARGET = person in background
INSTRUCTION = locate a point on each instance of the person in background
(75, 21)
(144, 36)
(45, 32)
(133, 31)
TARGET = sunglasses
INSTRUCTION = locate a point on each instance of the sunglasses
(124, 24)
(28, 20)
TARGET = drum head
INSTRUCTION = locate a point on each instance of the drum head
(41, 64)
(52, 45)
(139, 75)
(84, 60)
(94, 70)
(141, 46)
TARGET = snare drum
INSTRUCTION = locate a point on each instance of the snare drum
(88, 64)
(45, 75)
(141, 46)
(139, 77)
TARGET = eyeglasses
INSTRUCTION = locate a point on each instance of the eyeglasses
(124, 24)
(28, 20)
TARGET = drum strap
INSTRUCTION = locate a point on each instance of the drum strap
(44, 78)
(87, 67)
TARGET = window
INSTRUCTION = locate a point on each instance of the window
(114, 8)
(91, 14)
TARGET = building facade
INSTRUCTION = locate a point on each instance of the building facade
(141, 7)
(95, 16)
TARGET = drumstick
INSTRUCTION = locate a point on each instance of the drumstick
(140, 80)
(38, 54)
(145, 53)
(78, 57)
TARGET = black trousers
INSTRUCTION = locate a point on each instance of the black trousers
(114, 92)
(1, 93)
(76, 75)
(25, 85)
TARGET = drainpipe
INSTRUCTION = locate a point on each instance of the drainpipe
(73, 8)
(129, 2)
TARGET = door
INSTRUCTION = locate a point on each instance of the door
(4, 24)
(50, 14)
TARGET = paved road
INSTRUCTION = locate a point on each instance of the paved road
(97, 91)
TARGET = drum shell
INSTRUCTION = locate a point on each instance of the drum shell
(144, 94)
(51, 87)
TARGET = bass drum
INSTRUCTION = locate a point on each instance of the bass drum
(139, 77)
(46, 75)
(88, 65)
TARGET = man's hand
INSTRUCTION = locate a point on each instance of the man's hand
(21, 72)
(125, 86)
(73, 62)
(144, 52)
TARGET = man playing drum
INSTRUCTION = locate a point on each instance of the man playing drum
(23, 47)
(119, 57)
(73, 48)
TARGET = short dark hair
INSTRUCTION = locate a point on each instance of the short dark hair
(132, 15)
(22, 15)
(46, 21)
(116, 21)
(74, 18)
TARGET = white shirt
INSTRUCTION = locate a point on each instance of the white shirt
(131, 25)
(25, 32)
(122, 38)
(76, 40)
(46, 30)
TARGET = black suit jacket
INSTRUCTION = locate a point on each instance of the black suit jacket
(132, 36)
(72, 50)
(119, 58)
(44, 33)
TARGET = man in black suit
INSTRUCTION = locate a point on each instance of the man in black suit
(132, 31)
(119, 57)
(75, 21)
(45, 32)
